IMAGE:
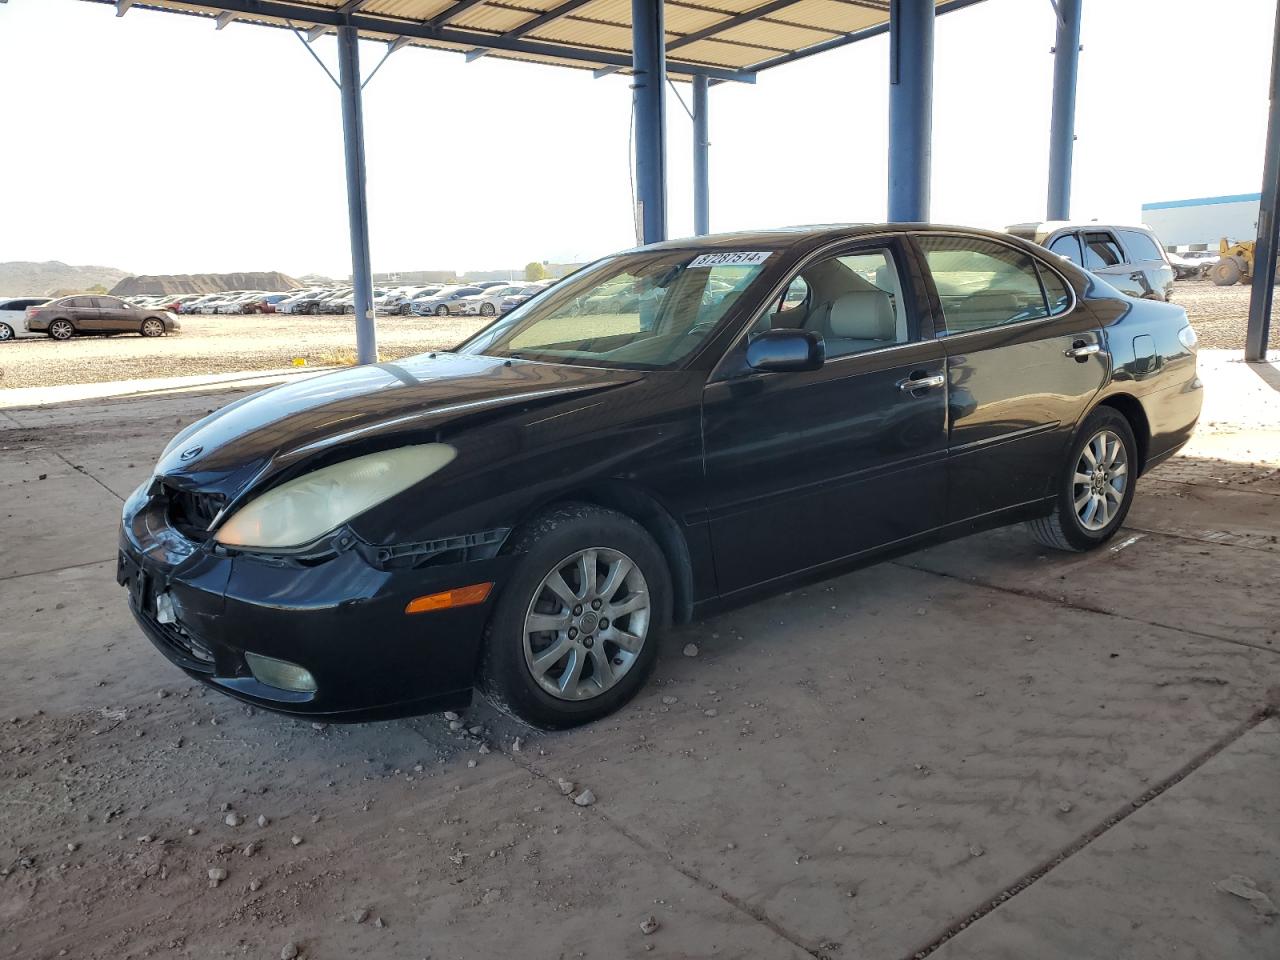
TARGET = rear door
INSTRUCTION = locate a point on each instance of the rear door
(1104, 256)
(806, 468)
(1143, 252)
(85, 314)
(1024, 359)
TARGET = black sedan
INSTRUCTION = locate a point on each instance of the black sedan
(528, 512)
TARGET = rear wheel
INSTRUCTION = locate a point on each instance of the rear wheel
(151, 327)
(61, 330)
(6, 332)
(575, 632)
(1096, 486)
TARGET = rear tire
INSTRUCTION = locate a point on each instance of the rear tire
(608, 673)
(1095, 487)
(6, 332)
(61, 330)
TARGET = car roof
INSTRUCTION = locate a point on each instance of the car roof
(1042, 228)
(812, 235)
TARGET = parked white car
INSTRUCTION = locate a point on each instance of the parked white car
(498, 300)
(446, 301)
(13, 317)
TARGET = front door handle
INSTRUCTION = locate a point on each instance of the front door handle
(921, 383)
(1082, 351)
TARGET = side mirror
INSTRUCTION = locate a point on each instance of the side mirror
(784, 351)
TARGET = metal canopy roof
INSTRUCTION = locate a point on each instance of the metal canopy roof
(721, 39)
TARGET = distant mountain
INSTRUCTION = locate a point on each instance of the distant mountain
(21, 278)
(204, 283)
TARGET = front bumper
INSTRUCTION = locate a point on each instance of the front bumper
(342, 619)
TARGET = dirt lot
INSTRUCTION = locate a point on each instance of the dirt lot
(981, 751)
(230, 344)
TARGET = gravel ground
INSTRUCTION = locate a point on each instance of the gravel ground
(231, 344)
(220, 345)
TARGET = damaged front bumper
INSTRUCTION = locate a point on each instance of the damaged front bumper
(337, 616)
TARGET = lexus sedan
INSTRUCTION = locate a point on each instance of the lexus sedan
(530, 511)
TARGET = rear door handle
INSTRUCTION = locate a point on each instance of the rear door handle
(1081, 350)
(921, 383)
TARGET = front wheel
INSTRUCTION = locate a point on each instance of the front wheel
(1096, 487)
(404, 310)
(488, 309)
(151, 327)
(61, 330)
(442, 311)
(575, 632)
(1226, 272)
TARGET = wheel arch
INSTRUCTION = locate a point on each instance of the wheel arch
(647, 510)
(1130, 407)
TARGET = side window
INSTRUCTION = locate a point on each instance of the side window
(1101, 251)
(1055, 291)
(981, 283)
(1140, 245)
(79, 302)
(853, 301)
(1067, 245)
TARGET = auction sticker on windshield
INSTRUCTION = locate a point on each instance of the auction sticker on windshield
(731, 259)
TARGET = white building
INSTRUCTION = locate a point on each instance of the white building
(1200, 223)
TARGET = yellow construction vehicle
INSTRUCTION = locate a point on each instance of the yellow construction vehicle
(1235, 263)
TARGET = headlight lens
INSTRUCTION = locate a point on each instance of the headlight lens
(297, 512)
(1188, 337)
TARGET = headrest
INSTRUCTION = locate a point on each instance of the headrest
(864, 315)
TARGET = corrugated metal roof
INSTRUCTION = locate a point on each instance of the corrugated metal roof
(725, 39)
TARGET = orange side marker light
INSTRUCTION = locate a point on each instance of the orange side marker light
(447, 599)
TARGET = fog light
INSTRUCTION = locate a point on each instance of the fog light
(280, 673)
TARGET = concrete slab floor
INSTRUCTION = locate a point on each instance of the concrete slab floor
(978, 750)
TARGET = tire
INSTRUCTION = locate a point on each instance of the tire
(1077, 529)
(404, 310)
(550, 543)
(488, 309)
(6, 332)
(442, 311)
(1226, 272)
(151, 327)
(61, 330)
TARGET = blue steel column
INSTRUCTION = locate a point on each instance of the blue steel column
(1062, 125)
(357, 207)
(649, 63)
(910, 108)
(1264, 253)
(701, 159)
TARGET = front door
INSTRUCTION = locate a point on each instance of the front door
(116, 316)
(1024, 359)
(804, 469)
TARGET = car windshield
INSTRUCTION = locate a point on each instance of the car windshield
(643, 311)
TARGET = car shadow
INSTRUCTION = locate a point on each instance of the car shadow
(1267, 372)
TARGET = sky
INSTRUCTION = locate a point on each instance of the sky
(157, 144)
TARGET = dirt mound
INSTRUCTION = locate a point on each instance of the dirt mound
(204, 283)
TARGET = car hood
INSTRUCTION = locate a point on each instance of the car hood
(422, 397)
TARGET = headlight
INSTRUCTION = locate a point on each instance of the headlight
(1188, 337)
(299, 511)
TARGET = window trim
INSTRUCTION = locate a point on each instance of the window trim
(942, 334)
(835, 248)
(1054, 238)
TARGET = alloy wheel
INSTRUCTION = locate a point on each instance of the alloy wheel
(587, 624)
(61, 330)
(1101, 477)
(6, 332)
(152, 328)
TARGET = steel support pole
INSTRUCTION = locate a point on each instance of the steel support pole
(910, 108)
(701, 160)
(357, 206)
(1062, 124)
(649, 63)
(1264, 253)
